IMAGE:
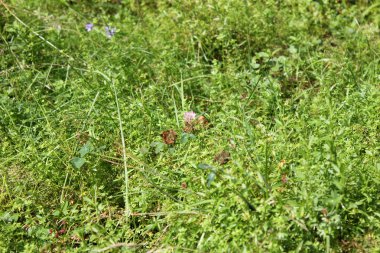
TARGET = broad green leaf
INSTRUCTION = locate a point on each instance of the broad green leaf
(186, 137)
(204, 166)
(78, 162)
(210, 178)
(87, 148)
(158, 147)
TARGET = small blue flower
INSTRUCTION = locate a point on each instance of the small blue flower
(89, 27)
(110, 31)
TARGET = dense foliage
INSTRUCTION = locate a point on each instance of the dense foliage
(284, 157)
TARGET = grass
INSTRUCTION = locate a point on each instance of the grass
(289, 158)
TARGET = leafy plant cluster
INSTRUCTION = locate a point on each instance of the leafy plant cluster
(282, 155)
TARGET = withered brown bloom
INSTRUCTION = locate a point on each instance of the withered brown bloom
(202, 121)
(169, 136)
(222, 157)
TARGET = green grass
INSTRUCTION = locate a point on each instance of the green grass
(291, 90)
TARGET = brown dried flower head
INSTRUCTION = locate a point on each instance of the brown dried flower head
(169, 136)
(189, 127)
(202, 121)
(222, 158)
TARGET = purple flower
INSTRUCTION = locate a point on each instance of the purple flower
(189, 116)
(110, 31)
(89, 27)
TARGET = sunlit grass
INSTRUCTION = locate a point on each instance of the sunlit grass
(211, 127)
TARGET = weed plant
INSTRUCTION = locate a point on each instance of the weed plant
(282, 154)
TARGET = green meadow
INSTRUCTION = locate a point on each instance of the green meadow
(189, 126)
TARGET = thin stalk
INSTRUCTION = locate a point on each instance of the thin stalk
(126, 193)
